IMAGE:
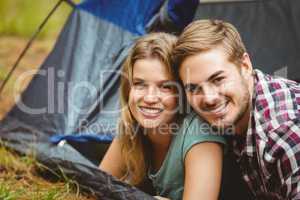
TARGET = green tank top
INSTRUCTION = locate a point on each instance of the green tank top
(168, 181)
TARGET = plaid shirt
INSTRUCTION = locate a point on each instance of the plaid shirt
(269, 156)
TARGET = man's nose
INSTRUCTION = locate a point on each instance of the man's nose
(210, 96)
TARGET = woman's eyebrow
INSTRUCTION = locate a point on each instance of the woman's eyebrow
(159, 82)
(137, 79)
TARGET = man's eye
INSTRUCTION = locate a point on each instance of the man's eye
(218, 80)
(194, 89)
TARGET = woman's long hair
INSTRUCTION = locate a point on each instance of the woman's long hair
(134, 144)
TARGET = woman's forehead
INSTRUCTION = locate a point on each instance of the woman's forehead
(152, 69)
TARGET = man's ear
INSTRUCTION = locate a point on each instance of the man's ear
(246, 65)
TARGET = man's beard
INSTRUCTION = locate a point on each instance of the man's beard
(228, 128)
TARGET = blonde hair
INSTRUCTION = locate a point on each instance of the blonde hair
(134, 144)
(204, 35)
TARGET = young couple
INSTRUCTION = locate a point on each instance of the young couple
(262, 112)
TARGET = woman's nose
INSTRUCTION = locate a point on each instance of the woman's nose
(152, 95)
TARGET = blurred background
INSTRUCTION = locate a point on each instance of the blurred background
(19, 19)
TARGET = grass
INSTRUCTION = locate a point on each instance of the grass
(3, 72)
(20, 179)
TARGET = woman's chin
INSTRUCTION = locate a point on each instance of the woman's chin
(150, 124)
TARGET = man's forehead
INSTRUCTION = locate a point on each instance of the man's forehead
(199, 72)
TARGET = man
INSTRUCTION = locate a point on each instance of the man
(263, 111)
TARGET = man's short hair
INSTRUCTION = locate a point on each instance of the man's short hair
(204, 35)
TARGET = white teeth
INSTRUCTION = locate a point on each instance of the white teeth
(219, 108)
(150, 110)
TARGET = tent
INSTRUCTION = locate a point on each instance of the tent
(68, 114)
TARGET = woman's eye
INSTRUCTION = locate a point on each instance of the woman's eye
(139, 85)
(167, 87)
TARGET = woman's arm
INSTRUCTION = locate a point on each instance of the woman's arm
(112, 162)
(203, 171)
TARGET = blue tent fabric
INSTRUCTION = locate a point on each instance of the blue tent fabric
(131, 15)
(135, 15)
(173, 16)
(182, 12)
(55, 139)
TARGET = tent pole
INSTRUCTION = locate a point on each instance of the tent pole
(29, 44)
(70, 2)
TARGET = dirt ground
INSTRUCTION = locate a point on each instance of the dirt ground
(10, 49)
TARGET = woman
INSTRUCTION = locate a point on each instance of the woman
(154, 139)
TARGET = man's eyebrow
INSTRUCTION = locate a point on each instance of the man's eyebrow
(214, 75)
(193, 85)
